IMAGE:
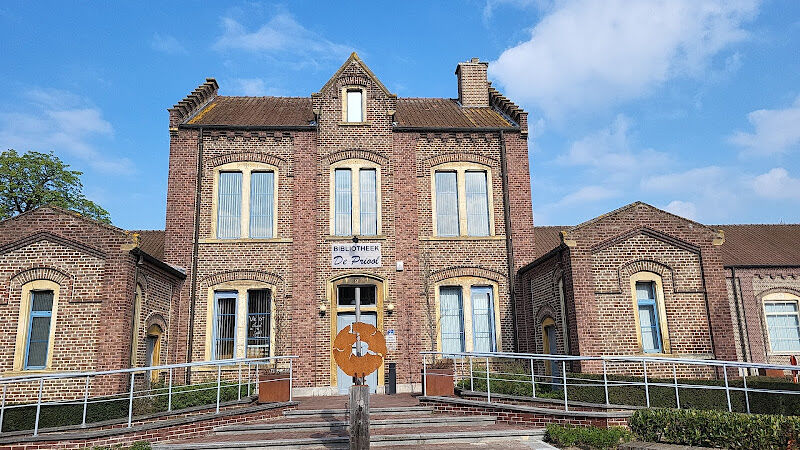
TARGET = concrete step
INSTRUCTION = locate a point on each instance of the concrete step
(341, 425)
(399, 410)
(484, 436)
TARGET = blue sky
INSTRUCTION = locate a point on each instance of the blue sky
(690, 105)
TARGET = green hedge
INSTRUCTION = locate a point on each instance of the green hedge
(587, 437)
(716, 428)
(516, 381)
(23, 418)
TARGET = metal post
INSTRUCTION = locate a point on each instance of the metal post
(605, 381)
(646, 386)
(258, 390)
(219, 384)
(130, 401)
(488, 384)
(291, 383)
(471, 382)
(675, 378)
(455, 370)
(3, 407)
(424, 377)
(239, 386)
(746, 397)
(85, 401)
(38, 407)
(727, 389)
(169, 391)
(533, 379)
(564, 376)
(249, 377)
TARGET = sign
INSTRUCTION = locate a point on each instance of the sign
(391, 340)
(343, 349)
(349, 255)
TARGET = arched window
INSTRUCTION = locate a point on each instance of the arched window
(355, 198)
(36, 325)
(550, 344)
(650, 313)
(461, 200)
(468, 317)
(245, 201)
(783, 322)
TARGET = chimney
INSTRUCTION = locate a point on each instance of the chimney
(473, 84)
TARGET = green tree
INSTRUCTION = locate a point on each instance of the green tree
(35, 179)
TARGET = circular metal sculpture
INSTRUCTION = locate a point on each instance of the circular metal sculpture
(370, 359)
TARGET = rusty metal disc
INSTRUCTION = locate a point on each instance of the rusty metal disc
(359, 366)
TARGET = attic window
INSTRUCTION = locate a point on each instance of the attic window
(354, 105)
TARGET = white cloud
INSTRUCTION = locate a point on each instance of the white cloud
(282, 35)
(683, 209)
(250, 86)
(588, 194)
(610, 151)
(689, 181)
(62, 122)
(586, 54)
(775, 131)
(167, 44)
(777, 184)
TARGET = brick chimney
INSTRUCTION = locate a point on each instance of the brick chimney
(473, 84)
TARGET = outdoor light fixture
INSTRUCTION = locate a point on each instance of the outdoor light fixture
(390, 307)
(322, 308)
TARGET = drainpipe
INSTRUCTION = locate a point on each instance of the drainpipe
(739, 316)
(195, 248)
(509, 246)
(133, 307)
(708, 308)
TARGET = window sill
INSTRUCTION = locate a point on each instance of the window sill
(671, 355)
(379, 237)
(245, 241)
(18, 373)
(771, 353)
(499, 237)
(355, 124)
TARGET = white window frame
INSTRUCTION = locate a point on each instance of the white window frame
(466, 284)
(241, 288)
(345, 105)
(461, 168)
(355, 166)
(778, 297)
(246, 168)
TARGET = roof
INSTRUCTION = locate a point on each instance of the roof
(546, 239)
(151, 242)
(745, 245)
(297, 111)
(761, 245)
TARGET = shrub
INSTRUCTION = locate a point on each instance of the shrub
(587, 437)
(716, 428)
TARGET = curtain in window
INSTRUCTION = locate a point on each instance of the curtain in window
(229, 205)
(482, 319)
(258, 323)
(39, 332)
(343, 200)
(477, 204)
(354, 113)
(369, 202)
(451, 319)
(225, 331)
(262, 188)
(783, 326)
(648, 317)
(446, 204)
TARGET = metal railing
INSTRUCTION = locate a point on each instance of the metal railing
(154, 389)
(555, 378)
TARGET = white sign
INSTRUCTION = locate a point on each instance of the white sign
(391, 340)
(345, 256)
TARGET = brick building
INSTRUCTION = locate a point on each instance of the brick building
(268, 196)
(641, 281)
(79, 295)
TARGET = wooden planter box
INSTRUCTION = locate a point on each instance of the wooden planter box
(439, 383)
(273, 387)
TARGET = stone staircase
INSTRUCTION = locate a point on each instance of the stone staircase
(394, 426)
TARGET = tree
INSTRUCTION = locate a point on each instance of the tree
(35, 179)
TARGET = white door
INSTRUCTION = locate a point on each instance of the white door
(344, 381)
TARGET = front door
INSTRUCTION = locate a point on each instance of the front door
(346, 300)
(555, 366)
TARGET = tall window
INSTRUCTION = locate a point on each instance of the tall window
(446, 204)
(369, 202)
(482, 319)
(262, 188)
(343, 199)
(783, 322)
(354, 106)
(39, 329)
(451, 319)
(648, 316)
(258, 323)
(477, 203)
(229, 205)
(225, 325)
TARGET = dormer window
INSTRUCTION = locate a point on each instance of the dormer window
(353, 105)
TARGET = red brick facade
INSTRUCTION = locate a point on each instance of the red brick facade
(297, 261)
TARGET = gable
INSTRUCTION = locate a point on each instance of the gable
(353, 72)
